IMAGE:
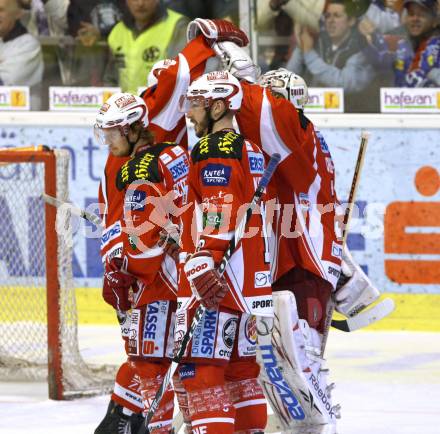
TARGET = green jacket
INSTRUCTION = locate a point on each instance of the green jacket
(133, 53)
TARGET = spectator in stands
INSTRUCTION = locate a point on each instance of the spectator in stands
(384, 15)
(416, 59)
(274, 20)
(148, 32)
(44, 17)
(335, 58)
(21, 62)
(90, 22)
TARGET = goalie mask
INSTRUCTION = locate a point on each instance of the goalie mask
(211, 87)
(288, 84)
(117, 114)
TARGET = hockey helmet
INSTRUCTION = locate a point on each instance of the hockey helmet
(210, 87)
(157, 68)
(288, 84)
(121, 110)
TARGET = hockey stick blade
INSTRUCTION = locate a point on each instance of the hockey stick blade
(367, 317)
(238, 234)
(90, 217)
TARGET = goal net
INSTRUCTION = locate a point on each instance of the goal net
(38, 316)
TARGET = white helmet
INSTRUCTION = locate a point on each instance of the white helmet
(288, 84)
(157, 68)
(120, 110)
(210, 87)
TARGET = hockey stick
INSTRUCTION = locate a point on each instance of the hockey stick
(238, 234)
(93, 218)
(90, 217)
(347, 217)
(379, 310)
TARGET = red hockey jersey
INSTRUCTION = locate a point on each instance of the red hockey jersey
(306, 230)
(224, 172)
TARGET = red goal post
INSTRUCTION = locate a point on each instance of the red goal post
(31, 329)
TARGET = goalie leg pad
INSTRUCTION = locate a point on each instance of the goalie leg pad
(292, 374)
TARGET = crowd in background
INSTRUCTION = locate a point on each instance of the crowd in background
(358, 45)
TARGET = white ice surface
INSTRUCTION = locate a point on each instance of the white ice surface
(387, 383)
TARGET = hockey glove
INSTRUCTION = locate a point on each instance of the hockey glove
(206, 283)
(169, 240)
(216, 31)
(354, 291)
(235, 60)
(117, 284)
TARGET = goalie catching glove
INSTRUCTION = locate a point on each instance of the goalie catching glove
(216, 31)
(354, 291)
(117, 284)
(206, 283)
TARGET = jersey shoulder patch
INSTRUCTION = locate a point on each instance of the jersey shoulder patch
(143, 166)
(223, 144)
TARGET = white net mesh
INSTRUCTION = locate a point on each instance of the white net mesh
(23, 309)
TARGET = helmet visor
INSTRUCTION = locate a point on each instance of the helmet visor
(186, 103)
(106, 136)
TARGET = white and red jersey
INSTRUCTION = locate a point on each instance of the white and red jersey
(306, 233)
(166, 121)
(224, 173)
(167, 124)
(111, 202)
(154, 186)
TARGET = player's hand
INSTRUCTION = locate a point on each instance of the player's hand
(235, 60)
(306, 40)
(206, 283)
(169, 241)
(216, 31)
(354, 291)
(117, 284)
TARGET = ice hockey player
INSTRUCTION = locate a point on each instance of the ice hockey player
(167, 124)
(305, 245)
(220, 372)
(144, 279)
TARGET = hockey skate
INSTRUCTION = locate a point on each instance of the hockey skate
(117, 422)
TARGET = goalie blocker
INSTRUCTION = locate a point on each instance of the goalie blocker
(292, 373)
